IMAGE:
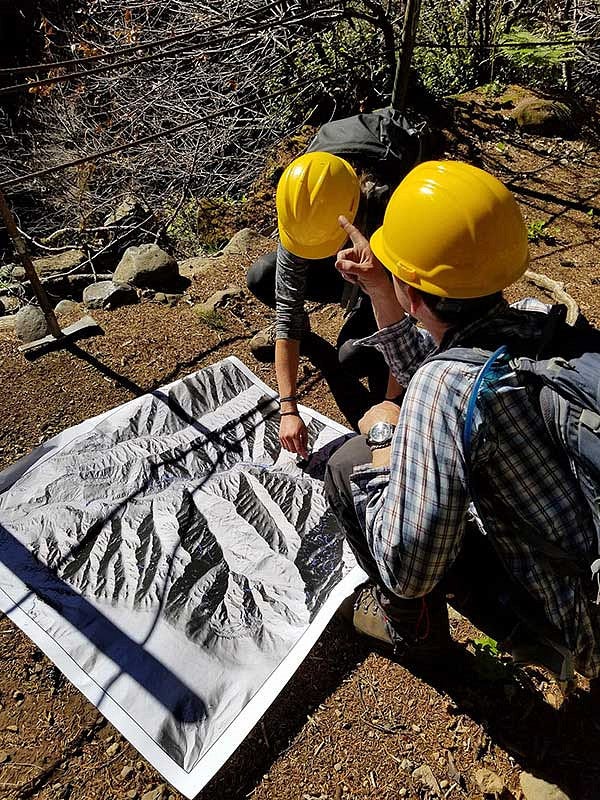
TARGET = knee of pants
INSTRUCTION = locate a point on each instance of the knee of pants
(339, 467)
(361, 361)
(260, 279)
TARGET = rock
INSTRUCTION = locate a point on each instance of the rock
(489, 782)
(546, 117)
(536, 789)
(201, 265)
(167, 299)
(30, 324)
(72, 285)
(11, 304)
(127, 211)
(425, 776)
(155, 794)
(147, 266)
(126, 772)
(4, 756)
(406, 764)
(218, 299)
(108, 294)
(65, 306)
(245, 240)
(113, 749)
(18, 273)
(8, 323)
(131, 794)
(61, 262)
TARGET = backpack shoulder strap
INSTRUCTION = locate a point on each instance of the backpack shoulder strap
(562, 562)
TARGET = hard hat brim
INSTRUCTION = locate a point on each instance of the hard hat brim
(314, 252)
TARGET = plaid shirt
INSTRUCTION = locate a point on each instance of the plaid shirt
(414, 513)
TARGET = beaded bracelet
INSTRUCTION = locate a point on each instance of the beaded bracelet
(291, 399)
(289, 413)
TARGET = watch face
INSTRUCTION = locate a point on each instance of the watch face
(380, 432)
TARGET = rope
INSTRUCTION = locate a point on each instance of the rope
(151, 137)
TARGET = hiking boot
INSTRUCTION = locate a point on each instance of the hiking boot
(262, 344)
(529, 650)
(413, 630)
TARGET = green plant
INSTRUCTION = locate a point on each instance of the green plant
(182, 228)
(489, 662)
(5, 276)
(501, 147)
(487, 645)
(492, 90)
(212, 318)
(593, 216)
(537, 54)
(538, 231)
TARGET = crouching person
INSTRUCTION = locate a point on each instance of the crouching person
(405, 490)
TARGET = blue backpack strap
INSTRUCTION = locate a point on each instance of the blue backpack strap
(473, 356)
(471, 405)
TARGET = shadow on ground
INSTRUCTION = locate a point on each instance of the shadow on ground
(559, 745)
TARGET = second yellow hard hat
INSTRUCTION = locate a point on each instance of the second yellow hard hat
(453, 230)
(311, 194)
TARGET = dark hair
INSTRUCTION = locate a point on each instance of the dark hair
(375, 192)
(459, 312)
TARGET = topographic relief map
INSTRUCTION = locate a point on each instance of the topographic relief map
(174, 554)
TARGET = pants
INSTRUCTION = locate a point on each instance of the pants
(324, 284)
(477, 584)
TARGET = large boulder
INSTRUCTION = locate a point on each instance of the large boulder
(200, 265)
(30, 324)
(59, 263)
(129, 210)
(245, 242)
(108, 294)
(218, 299)
(545, 117)
(65, 307)
(537, 789)
(147, 266)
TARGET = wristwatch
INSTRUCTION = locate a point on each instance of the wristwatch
(380, 435)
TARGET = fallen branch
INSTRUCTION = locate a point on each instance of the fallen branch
(557, 290)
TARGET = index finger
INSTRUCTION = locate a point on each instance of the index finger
(354, 234)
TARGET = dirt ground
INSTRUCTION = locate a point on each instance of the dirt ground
(351, 724)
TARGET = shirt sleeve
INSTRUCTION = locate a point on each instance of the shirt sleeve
(403, 346)
(290, 288)
(414, 513)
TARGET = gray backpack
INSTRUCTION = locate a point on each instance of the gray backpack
(566, 389)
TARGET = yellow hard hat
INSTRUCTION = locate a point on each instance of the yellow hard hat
(311, 194)
(453, 230)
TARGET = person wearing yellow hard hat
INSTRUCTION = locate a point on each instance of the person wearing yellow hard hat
(313, 191)
(466, 438)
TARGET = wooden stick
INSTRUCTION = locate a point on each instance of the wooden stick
(27, 263)
(409, 35)
(557, 290)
